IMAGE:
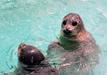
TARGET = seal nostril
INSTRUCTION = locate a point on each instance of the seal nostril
(74, 23)
(66, 31)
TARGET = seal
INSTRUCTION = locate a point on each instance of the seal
(32, 62)
(75, 52)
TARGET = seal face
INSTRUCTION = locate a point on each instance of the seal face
(72, 25)
(75, 52)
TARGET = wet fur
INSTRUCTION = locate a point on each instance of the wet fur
(42, 69)
(36, 66)
(32, 66)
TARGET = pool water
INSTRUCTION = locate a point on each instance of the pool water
(37, 22)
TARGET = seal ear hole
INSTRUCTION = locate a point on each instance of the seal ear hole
(64, 22)
(74, 23)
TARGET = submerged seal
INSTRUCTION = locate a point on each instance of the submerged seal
(75, 52)
(32, 62)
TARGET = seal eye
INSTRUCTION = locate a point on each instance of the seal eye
(74, 23)
(64, 22)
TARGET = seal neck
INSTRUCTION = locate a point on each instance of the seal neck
(68, 44)
(31, 68)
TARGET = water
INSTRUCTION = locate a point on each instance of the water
(37, 22)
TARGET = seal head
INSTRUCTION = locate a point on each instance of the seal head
(72, 25)
(29, 55)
